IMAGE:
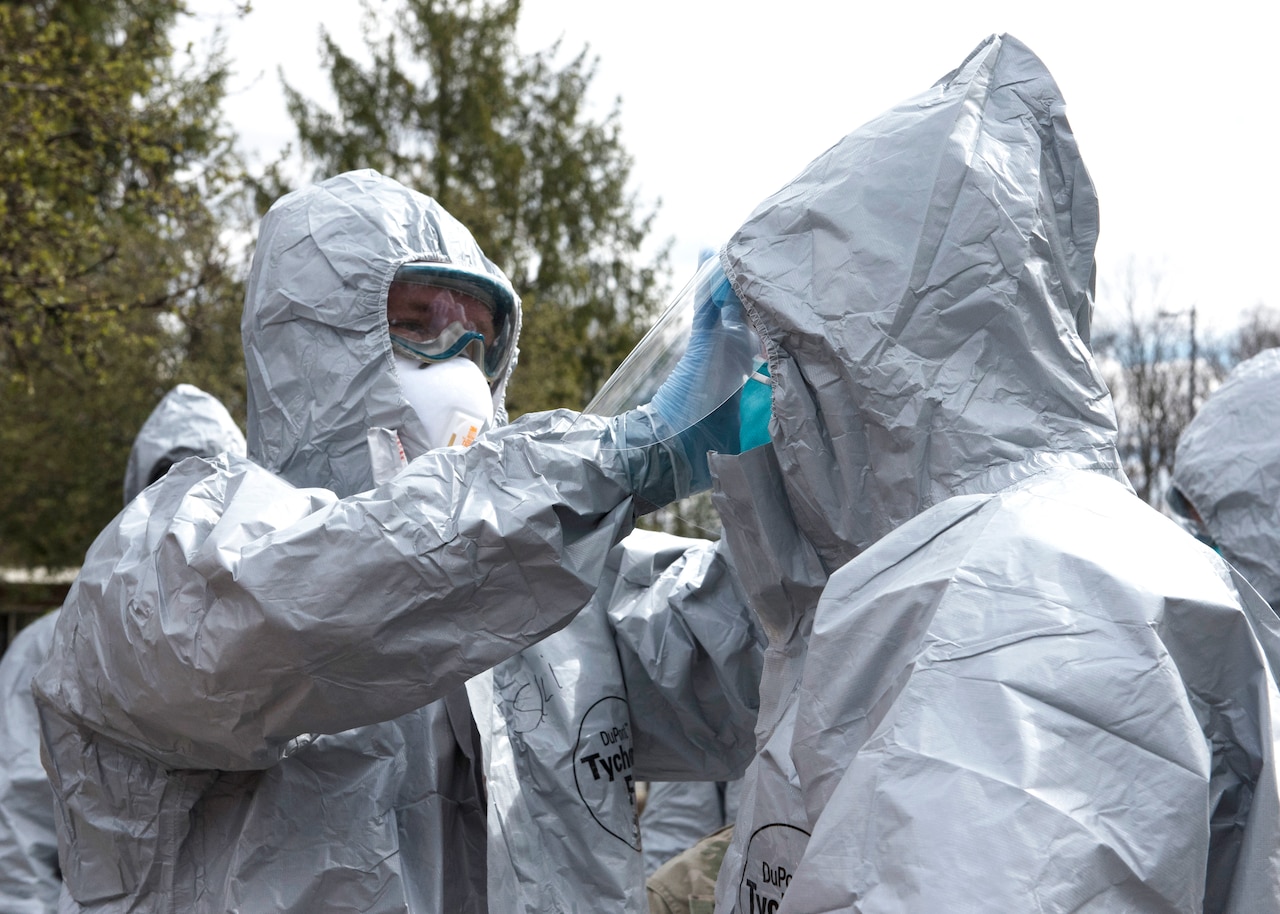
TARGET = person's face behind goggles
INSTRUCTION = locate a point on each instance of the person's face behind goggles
(435, 313)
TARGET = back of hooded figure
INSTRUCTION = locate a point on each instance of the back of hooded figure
(1227, 471)
(996, 680)
(186, 422)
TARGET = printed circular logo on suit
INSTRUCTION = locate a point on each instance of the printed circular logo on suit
(771, 857)
(603, 760)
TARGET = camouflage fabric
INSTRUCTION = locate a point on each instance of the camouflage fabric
(686, 884)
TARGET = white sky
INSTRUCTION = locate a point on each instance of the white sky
(723, 101)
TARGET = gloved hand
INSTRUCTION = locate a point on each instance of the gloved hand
(719, 340)
(695, 411)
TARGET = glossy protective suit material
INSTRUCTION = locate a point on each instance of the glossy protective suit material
(186, 422)
(1228, 468)
(322, 373)
(996, 680)
(29, 882)
(254, 699)
(679, 814)
(657, 676)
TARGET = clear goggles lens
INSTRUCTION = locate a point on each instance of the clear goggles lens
(439, 312)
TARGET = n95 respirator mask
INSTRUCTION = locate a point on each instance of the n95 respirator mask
(451, 398)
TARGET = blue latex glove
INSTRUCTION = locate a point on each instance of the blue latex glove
(696, 410)
(720, 342)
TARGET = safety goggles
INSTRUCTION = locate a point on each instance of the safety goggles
(436, 312)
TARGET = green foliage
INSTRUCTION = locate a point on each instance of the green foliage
(447, 105)
(114, 284)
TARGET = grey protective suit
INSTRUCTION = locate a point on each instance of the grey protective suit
(186, 422)
(29, 880)
(656, 678)
(1228, 467)
(996, 680)
(255, 699)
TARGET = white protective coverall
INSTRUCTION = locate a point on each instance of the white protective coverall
(255, 699)
(996, 680)
(1228, 468)
(186, 422)
(29, 879)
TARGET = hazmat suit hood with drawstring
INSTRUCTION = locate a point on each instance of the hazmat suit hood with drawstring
(996, 680)
(254, 699)
(1228, 468)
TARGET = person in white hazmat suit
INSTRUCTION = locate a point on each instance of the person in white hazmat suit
(186, 422)
(996, 680)
(257, 697)
(1226, 474)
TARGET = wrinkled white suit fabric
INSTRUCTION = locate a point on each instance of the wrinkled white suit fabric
(186, 422)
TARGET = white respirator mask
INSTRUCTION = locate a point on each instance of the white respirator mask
(451, 398)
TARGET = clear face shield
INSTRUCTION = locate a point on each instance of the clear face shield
(690, 366)
(697, 382)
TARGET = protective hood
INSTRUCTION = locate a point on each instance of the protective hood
(187, 422)
(1021, 688)
(1228, 467)
(924, 289)
(318, 355)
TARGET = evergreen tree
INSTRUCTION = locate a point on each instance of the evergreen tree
(114, 284)
(448, 106)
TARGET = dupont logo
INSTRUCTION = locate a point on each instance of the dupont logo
(603, 760)
(768, 864)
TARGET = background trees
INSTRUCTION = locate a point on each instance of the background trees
(449, 106)
(1161, 365)
(119, 184)
(114, 283)
(1259, 330)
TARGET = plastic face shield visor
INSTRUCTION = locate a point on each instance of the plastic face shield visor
(705, 322)
(451, 313)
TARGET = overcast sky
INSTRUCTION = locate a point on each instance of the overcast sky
(723, 102)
